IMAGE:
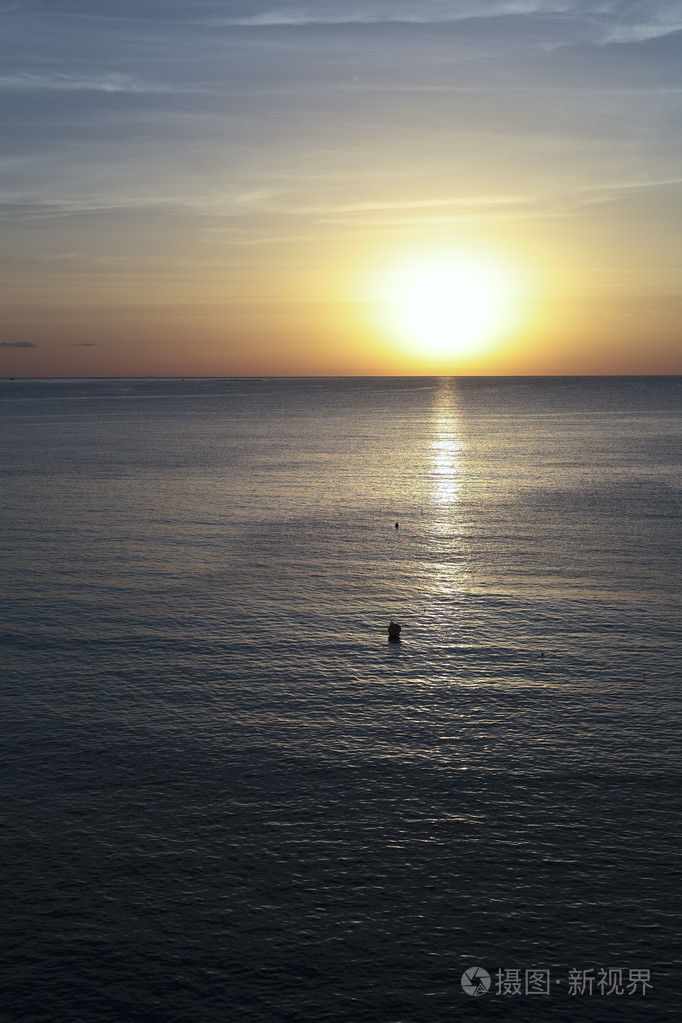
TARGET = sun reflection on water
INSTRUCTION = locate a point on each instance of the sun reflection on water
(446, 449)
(446, 566)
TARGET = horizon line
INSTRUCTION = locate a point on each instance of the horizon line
(357, 376)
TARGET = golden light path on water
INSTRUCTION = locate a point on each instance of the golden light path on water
(447, 569)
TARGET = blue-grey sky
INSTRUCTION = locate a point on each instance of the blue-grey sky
(200, 186)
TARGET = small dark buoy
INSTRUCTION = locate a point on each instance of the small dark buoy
(394, 631)
(542, 654)
(397, 526)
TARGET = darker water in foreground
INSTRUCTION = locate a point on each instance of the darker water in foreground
(227, 797)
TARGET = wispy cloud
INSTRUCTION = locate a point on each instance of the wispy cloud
(618, 191)
(639, 20)
(370, 12)
(613, 21)
(49, 209)
(248, 239)
(406, 205)
(347, 218)
(96, 83)
(17, 344)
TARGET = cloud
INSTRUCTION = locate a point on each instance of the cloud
(299, 12)
(17, 344)
(639, 20)
(96, 83)
(616, 190)
(407, 205)
(608, 21)
(84, 344)
(368, 12)
(621, 20)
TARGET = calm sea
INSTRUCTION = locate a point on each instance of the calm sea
(228, 797)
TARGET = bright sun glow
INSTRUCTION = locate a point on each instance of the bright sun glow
(447, 302)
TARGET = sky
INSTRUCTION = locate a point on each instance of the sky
(340, 187)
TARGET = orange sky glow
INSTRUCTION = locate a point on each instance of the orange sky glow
(234, 192)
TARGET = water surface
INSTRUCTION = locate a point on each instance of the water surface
(228, 797)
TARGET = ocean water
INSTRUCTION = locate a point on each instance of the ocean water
(227, 796)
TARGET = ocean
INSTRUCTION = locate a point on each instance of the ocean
(228, 796)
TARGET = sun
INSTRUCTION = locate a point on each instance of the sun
(447, 302)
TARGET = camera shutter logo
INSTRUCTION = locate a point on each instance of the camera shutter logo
(476, 981)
